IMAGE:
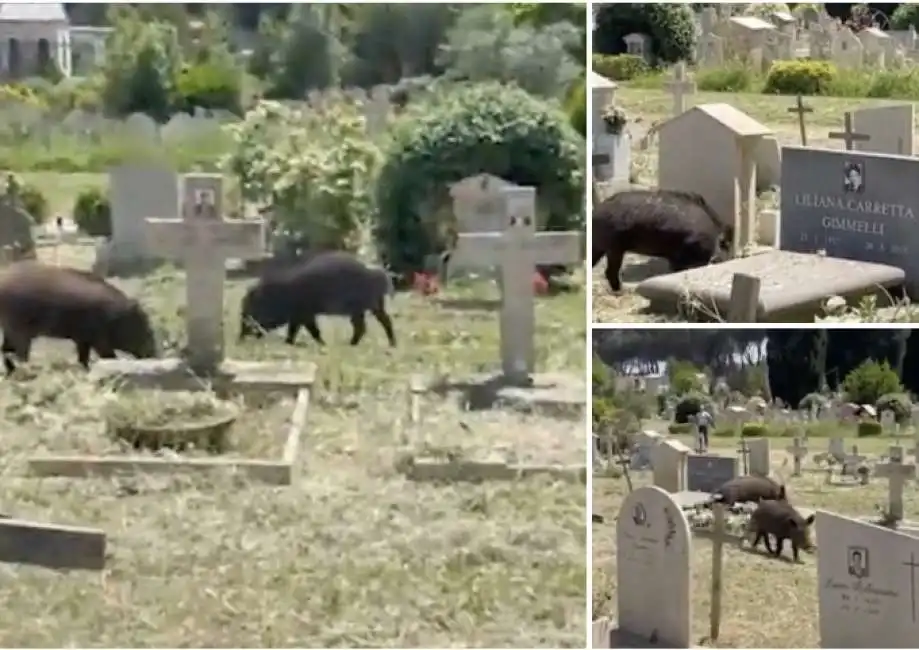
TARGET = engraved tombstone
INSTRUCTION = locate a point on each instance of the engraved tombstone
(866, 577)
(707, 473)
(138, 192)
(854, 205)
(653, 549)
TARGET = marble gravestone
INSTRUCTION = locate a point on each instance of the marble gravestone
(866, 581)
(653, 545)
(853, 205)
(706, 473)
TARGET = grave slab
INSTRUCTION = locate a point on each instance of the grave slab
(51, 546)
(866, 577)
(890, 128)
(793, 286)
(707, 473)
(852, 204)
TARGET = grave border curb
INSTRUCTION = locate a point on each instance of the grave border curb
(52, 546)
(429, 470)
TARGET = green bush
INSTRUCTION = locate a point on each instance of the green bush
(800, 77)
(210, 86)
(576, 107)
(472, 129)
(620, 67)
(689, 405)
(905, 16)
(812, 400)
(898, 403)
(756, 430)
(734, 78)
(29, 196)
(869, 429)
(680, 429)
(670, 26)
(869, 381)
(92, 213)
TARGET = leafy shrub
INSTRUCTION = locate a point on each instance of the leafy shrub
(754, 430)
(17, 93)
(92, 213)
(684, 377)
(800, 77)
(313, 170)
(468, 130)
(898, 403)
(27, 195)
(576, 107)
(670, 27)
(764, 9)
(812, 400)
(905, 16)
(734, 78)
(869, 429)
(869, 381)
(620, 67)
(209, 85)
(689, 405)
(680, 429)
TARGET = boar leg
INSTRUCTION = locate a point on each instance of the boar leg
(614, 258)
(386, 322)
(779, 546)
(767, 543)
(293, 326)
(12, 347)
(359, 325)
(310, 324)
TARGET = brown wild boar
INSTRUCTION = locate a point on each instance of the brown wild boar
(745, 489)
(41, 300)
(330, 283)
(677, 226)
(782, 521)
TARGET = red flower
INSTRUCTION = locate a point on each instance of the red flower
(540, 286)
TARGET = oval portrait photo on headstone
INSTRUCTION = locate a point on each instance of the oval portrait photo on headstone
(854, 180)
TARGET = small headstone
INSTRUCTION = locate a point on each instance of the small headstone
(866, 581)
(707, 473)
(680, 86)
(759, 456)
(668, 460)
(889, 129)
(896, 473)
(142, 126)
(798, 451)
(16, 237)
(653, 560)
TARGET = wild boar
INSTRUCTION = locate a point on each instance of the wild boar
(782, 521)
(329, 283)
(41, 300)
(744, 489)
(677, 226)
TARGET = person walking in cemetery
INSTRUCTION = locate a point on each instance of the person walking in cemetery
(704, 422)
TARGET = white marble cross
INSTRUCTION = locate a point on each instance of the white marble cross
(203, 241)
(680, 86)
(896, 473)
(798, 450)
(517, 250)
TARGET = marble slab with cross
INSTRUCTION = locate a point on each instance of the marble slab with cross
(203, 241)
(517, 250)
(897, 473)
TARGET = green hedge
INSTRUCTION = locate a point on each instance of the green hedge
(801, 76)
(784, 430)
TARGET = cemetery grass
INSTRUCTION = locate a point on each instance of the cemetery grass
(766, 603)
(352, 554)
(647, 108)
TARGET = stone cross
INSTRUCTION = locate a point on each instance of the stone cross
(798, 450)
(800, 109)
(896, 473)
(203, 241)
(743, 449)
(517, 250)
(848, 135)
(680, 86)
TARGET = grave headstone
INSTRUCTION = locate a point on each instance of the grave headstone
(759, 456)
(679, 86)
(668, 460)
(653, 554)
(16, 231)
(707, 473)
(204, 242)
(889, 129)
(854, 205)
(645, 442)
(138, 192)
(798, 451)
(896, 473)
(518, 249)
(866, 580)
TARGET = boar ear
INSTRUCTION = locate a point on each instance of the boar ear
(781, 493)
(792, 523)
(810, 520)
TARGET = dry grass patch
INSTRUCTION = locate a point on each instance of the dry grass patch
(650, 107)
(766, 603)
(352, 554)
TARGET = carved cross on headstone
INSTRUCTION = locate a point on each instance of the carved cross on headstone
(798, 450)
(744, 450)
(517, 250)
(680, 86)
(896, 473)
(912, 583)
(848, 135)
(800, 109)
(203, 242)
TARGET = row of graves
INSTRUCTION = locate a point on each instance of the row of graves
(198, 238)
(866, 568)
(845, 225)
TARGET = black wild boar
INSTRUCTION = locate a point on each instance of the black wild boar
(782, 521)
(41, 300)
(744, 489)
(329, 283)
(677, 226)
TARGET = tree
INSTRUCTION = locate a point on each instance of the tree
(871, 380)
(670, 27)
